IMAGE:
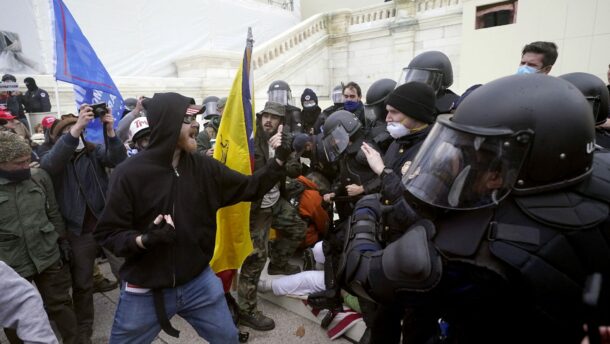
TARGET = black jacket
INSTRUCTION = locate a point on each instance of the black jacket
(37, 101)
(80, 179)
(147, 185)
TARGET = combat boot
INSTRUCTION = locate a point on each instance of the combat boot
(256, 320)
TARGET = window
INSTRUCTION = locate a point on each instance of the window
(501, 13)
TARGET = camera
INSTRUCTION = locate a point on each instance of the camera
(99, 109)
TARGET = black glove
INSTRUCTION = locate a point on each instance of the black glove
(293, 168)
(163, 233)
(65, 250)
(285, 149)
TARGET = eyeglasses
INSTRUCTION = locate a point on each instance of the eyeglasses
(188, 119)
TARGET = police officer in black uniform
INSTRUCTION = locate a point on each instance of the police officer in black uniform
(375, 112)
(279, 92)
(36, 99)
(336, 95)
(342, 139)
(432, 68)
(596, 92)
(522, 221)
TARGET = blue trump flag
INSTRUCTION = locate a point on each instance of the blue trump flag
(77, 63)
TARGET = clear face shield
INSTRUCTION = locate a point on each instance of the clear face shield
(375, 112)
(283, 97)
(337, 96)
(335, 143)
(457, 169)
(433, 78)
(211, 109)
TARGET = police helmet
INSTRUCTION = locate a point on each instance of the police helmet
(522, 133)
(279, 92)
(374, 109)
(432, 68)
(337, 95)
(211, 107)
(338, 128)
(594, 89)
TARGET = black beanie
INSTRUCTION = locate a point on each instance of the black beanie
(414, 99)
(309, 94)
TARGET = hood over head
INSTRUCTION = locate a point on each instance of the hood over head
(165, 113)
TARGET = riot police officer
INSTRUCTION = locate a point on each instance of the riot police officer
(522, 221)
(336, 95)
(596, 92)
(279, 92)
(210, 129)
(375, 112)
(432, 68)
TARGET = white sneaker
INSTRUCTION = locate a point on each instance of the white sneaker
(264, 285)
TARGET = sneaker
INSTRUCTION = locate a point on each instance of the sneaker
(287, 269)
(309, 263)
(256, 320)
(264, 285)
(104, 285)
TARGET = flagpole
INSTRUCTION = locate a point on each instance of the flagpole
(57, 99)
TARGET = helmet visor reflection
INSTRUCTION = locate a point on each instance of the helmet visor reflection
(460, 170)
(337, 96)
(283, 97)
(432, 78)
(335, 143)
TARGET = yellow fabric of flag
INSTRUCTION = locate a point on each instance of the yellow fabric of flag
(235, 148)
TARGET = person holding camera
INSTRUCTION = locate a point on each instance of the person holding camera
(77, 168)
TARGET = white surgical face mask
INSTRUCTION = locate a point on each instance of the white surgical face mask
(81, 145)
(397, 130)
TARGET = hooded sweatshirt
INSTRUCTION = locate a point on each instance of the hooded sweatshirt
(147, 185)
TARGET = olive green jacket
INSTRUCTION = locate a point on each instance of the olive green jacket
(30, 224)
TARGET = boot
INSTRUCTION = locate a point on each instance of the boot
(287, 269)
(257, 321)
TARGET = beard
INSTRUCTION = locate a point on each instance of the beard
(187, 142)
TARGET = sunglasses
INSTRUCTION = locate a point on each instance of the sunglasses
(189, 119)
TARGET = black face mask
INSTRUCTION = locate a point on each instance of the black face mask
(31, 87)
(17, 175)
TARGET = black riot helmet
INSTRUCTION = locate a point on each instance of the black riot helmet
(594, 89)
(374, 109)
(432, 68)
(211, 107)
(279, 92)
(338, 128)
(522, 133)
(336, 95)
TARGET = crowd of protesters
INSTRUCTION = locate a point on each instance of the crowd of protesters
(146, 202)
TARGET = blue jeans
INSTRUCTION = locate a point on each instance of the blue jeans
(201, 302)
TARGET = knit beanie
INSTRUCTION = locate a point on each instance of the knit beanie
(415, 100)
(308, 94)
(12, 146)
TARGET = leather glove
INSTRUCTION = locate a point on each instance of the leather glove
(285, 149)
(65, 250)
(160, 234)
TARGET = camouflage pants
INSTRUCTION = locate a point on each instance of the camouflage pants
(286, 220)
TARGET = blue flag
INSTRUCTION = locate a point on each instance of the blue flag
(78, 64)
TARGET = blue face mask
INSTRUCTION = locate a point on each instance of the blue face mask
(351, 105)
(525, 69)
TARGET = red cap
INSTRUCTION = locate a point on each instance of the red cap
(6, 115)
(47, 121)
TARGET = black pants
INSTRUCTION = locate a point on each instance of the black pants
(85, 249)
(54, 287)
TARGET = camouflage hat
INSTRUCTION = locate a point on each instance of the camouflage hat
(12, 146)
(273, 108)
